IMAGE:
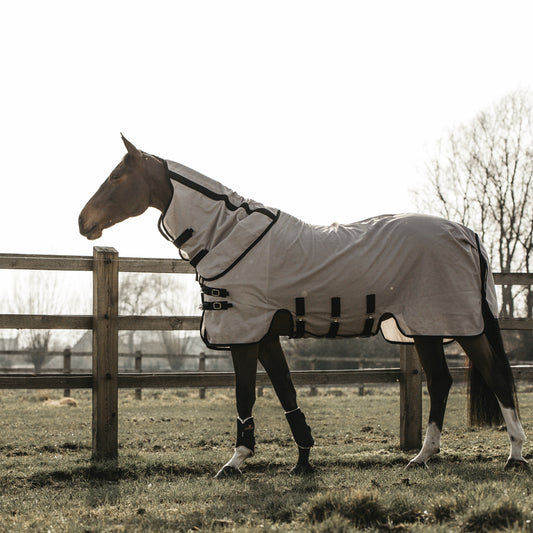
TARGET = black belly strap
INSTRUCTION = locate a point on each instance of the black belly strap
(370, 315)
(335, 315)
(300, 321)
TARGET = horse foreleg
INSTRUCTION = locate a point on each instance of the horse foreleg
(439, 381)
(489, 365)
(274, 362)
(245, 365)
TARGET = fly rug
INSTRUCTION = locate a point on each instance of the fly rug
(406, 274)
(264, 273)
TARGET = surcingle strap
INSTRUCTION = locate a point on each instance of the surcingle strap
(370, 316)
(300, 322)
(335, 315)
(215, 306)
(183, 238)
(245, 433)
(217, 293)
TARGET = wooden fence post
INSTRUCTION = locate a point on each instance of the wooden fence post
(138, 368)
(67, 365)
(361, 364)
(201, 368)
(313, 391)
(410, 398)
(105, 353)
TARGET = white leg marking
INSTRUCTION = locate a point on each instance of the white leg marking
(241, 454)
(515, 431)
(431, 445)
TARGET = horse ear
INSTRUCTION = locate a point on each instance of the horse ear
(134, 152)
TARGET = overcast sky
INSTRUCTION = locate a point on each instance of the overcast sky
(327, 110)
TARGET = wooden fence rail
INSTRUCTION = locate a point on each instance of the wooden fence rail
(106, 323)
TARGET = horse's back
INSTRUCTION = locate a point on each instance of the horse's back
(424, 271)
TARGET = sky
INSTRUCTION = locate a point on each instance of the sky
(327, 110)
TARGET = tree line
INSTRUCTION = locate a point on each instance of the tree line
(482, 176)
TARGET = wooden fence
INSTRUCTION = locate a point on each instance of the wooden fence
(105, 323)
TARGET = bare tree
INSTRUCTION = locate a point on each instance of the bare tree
(139, 294)
(36, 293)
(482, 176)
(145, 294)
(185, 302)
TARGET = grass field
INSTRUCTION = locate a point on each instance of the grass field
(172, 444)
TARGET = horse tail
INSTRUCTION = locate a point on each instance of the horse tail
(484, 407)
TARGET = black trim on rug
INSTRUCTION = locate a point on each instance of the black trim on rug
(217, 196)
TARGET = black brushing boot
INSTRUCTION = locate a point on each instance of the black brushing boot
(302, 435)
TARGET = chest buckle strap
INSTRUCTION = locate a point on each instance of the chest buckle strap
(183, 237)
(216, 293)
(215, 306)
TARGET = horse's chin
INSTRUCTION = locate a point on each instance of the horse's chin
(93, 233)
(96, 230)
(94, 236)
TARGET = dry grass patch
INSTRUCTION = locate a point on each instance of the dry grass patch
(495, 516)
(362, 509)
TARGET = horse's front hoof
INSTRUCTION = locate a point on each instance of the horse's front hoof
(228, 472)
(516, 464)
(416, 464)
(302, 469)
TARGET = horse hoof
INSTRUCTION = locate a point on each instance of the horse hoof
(516, 464)
(228, 472)
(302, 470)
(416, 464)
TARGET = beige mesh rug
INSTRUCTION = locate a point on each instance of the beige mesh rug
(405, 274)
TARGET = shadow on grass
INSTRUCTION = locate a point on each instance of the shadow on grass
(134, 468)
(107, 471)
(21, 451)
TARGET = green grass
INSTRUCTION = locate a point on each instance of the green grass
(172, 444)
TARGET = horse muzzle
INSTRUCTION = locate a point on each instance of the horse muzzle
(89, 229)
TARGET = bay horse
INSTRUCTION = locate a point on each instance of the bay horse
(264, 274)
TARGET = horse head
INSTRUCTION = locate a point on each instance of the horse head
(128, 191)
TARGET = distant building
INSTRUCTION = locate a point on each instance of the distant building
(156, 356)
(9, 344)
(8, 349)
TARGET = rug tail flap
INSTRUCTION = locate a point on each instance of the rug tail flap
(392, 333)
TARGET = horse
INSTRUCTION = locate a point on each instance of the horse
(232, 242)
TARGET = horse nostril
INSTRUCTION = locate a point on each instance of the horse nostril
(81, 223)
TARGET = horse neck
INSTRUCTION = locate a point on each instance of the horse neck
(160, 186)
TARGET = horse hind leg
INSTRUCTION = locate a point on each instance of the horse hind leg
(517, 438)
(439, 381)
(497, 375)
